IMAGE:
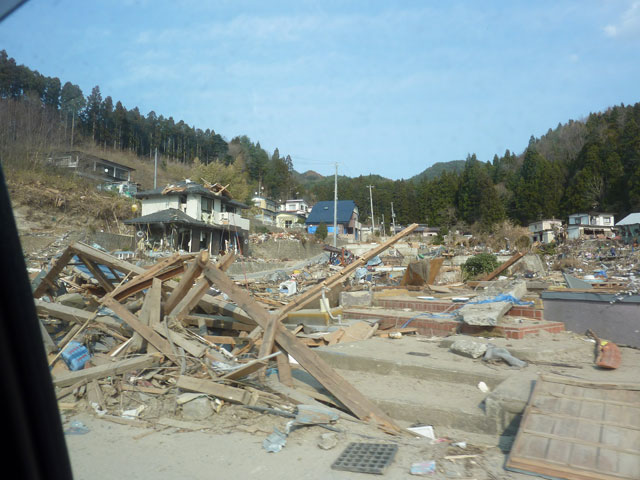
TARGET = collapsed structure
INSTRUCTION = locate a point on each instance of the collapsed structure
(183, 325)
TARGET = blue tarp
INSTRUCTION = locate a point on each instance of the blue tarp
(502, 298)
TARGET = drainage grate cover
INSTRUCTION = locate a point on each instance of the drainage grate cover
(366, 457)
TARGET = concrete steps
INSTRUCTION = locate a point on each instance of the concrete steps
(429, 402)
(419, 382)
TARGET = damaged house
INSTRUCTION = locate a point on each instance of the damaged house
(629, 228)
(191, 217)
(590, 224)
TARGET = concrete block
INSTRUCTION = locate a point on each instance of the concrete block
(468, 348)
(198, 409)
(486, 314)
(74, 300)
(506, 403)
(363, 298)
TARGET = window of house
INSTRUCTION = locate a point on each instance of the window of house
(607, 220)
(206, 205)
(183, 199)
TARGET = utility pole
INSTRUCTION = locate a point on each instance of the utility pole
(393, 219)
(155, 170)
(384, 236)
(371, 199)
(335, 209)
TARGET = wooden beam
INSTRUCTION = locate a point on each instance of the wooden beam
(284, 368)
(107, 370)
(62, 312)
(502, 267)
(146, 331)
(163, 270)
(315, 292)
(194, 293)
(225, 392)
(309, 360)
(192, 272)
(94, 268)
(45, 279)
(249, 368)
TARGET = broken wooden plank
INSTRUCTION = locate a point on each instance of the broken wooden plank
(44, 280)
(250, 367)
(119, 293)
(225, 392)
(310, 361)
(94, 268)
(196, 349)
(284, 368)
(190, 275)
(103, 371)
(502, 267)
(315, 292)
(146, 331)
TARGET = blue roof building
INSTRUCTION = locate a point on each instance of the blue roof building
(347, 218)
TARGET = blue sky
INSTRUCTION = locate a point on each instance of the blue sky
(380, 87)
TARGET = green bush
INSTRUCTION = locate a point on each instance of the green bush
(321, 232)
(478, 264)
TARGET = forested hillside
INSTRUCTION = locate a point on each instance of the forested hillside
(582, 165)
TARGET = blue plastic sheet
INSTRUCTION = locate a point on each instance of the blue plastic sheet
(502, 298)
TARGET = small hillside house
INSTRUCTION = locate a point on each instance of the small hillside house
(629, 228)
(111, 175)
(591, 224)
(268, 209)
(192, 217)
(347, 218)
(545, 231)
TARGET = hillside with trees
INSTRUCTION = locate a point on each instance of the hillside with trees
(581, 165)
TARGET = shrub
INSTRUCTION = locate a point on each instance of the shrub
(478, 264)
(321, 232)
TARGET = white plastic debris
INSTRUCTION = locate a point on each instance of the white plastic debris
(483, 387)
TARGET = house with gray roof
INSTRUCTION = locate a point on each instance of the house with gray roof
(191, 217)
(347, 218)
(629, 228)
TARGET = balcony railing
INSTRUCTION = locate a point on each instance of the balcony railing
(225, 219)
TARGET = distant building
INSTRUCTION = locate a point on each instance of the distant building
(192, 217)
(268, 209)
(629, 228)
(290, 220)
(590, 224)
(545, 231)
(347, 218)
(421, 229)
(296, 206)
(112, 175)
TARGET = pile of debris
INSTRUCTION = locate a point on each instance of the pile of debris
(119, 327)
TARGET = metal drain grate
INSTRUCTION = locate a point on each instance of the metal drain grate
(366, 457)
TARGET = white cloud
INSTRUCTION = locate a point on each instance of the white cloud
(627, 25)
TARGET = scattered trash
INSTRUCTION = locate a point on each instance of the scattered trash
(328, 441)
(76, 355)
(494, 352)
(275, 441)
(483, 387)
(423, 431)
(423, 468)
(76, 427)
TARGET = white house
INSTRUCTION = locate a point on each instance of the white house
(192, 217)
(545, 231)
(297, 207)
(590, 224)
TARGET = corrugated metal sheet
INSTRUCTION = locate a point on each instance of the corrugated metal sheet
(579, 430)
